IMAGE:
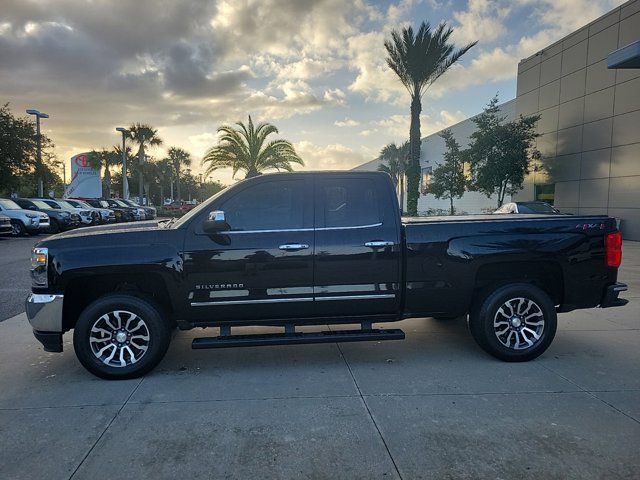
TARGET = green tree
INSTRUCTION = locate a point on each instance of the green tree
(500, 154)
(419, 59)
(395, 164)
(145, 136)
(178, 158)
(448, 180)
(245, 148)
(105, 160)
(18, 155)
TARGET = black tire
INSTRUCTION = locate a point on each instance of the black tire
(18, 228)
(54, 226)
(486, 310)
(155, 323)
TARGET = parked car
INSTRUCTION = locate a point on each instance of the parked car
(179, 206)
(60, 220)
(150, 212)
(121, 214)
(310, 249)
(24, 221)
(135, 213)
(529, 208)
(105, 215)
(87, 217)
(5, 226)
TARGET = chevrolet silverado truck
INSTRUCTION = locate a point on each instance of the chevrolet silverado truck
(294, 249)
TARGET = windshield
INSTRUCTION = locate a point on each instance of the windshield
(119, 202)
(540, 207)
(64, 204)
(130, 203)
(9, 204)
(192, 213)
(41, 204)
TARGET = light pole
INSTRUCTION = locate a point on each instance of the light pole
(141, 180)
(125, 183)
(39, 115)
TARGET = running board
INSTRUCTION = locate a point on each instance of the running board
(296, 338)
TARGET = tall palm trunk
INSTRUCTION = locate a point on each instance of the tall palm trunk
(106, 193)
(252, 173)
(413, 169)
(178, 185)
(401, 193)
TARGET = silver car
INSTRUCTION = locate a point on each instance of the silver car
(24, 221)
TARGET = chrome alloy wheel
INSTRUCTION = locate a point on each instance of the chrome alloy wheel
(119, 338)
(519, 323)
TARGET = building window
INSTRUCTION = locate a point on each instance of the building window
(545, 192)
(425, 179)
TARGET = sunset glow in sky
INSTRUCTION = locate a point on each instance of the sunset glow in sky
(316, 69)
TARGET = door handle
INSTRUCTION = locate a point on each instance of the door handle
(293, 246)
(379, 244)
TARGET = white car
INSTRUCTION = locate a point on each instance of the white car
(87, 217)
(24, 221)
(106, 215)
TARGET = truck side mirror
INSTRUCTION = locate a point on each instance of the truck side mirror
(215, 223)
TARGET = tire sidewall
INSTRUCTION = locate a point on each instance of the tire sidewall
(146, 309)
(484, 331)
(18, 229)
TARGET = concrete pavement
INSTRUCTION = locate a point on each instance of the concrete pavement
(431, 406)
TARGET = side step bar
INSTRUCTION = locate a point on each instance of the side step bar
(296, 338)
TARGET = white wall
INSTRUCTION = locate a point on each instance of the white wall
(431, 154)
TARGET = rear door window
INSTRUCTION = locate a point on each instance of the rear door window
(348, 202)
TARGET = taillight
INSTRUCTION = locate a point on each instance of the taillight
(613, 249)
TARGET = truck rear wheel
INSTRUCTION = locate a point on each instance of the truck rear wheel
(121, 336)
(514, 323)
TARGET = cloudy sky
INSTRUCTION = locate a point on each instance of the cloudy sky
(316, 69)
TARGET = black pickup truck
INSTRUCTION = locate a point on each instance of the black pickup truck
(321, 248)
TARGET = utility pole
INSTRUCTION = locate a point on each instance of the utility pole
(125, 183)
(38, 116)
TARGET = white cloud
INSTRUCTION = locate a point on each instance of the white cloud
(347, 122)
(482, 20)
(329, 157)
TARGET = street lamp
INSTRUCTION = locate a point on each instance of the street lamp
(39, 115)
(125, 183)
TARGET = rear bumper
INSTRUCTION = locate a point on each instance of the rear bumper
(610, 297)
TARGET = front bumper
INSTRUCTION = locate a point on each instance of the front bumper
(44, 312)
(610, 297)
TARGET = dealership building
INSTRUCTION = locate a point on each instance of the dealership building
(586, 89)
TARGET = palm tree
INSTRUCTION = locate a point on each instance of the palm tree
(105, 159)
(164, 175)
(396, 163)
(144, 135)
(244, 149)
(419, 59)
(178, 158)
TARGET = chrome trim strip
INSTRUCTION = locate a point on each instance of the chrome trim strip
(357, 297)
(379, 224)
(289, 291)
(233, 232)
(228, 293)
(369, 287)
(249, 302)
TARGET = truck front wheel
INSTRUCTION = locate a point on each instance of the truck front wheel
(514, 323)
(121, 336)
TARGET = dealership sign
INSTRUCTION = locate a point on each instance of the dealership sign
(85, 180)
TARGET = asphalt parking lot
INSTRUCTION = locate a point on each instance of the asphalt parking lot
(431, 406)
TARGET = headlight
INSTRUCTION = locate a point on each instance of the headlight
(140, 211)
(84, 213)
(65, 214)
(32, 215)
(39, 262)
